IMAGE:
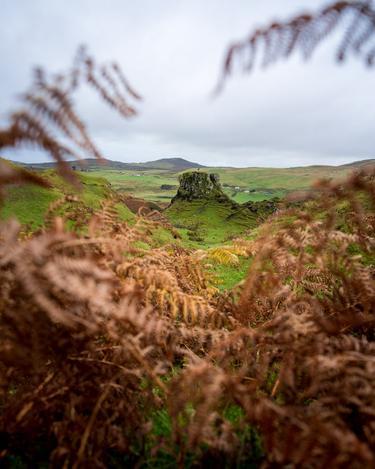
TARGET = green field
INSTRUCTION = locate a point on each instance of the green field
(259, 183)
(278, 178)
(142, 184)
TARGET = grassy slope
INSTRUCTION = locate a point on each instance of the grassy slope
(257, 196)
(29, 203)
(208, 222)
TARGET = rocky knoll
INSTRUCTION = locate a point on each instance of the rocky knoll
(208, 214)
(198, 185)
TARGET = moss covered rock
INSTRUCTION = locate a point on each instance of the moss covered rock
(263, 207)
(199, 185)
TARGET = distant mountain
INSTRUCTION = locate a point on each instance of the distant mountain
(169, 164)
(88, 163)
(175, 165)
(360, 164)
(178, 164)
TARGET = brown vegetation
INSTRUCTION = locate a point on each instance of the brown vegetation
(98, 335)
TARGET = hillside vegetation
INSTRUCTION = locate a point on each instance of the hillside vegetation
(146, 180)
(201, 222)
(208, 222)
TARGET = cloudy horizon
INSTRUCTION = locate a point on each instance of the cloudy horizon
(294, 113)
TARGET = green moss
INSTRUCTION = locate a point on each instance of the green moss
(199, 185)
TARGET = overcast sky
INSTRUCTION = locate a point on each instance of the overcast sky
(293, 113)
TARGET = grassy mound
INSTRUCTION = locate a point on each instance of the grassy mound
(204, 222)
(30, 203)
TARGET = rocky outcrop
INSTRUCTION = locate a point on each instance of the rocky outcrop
(200, 185)
(205, 187)
(263, 207)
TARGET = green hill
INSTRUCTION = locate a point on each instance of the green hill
(29, 203)
(207, 222)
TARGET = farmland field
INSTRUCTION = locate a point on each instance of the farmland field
(241, 184)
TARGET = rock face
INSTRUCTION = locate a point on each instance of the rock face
(200, 185)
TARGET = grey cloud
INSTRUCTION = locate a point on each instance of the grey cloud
(290, 114)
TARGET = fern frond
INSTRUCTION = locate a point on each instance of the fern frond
(305, 32)
(223, 255)
(47, 112)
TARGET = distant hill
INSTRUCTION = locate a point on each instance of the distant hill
(359, 164)
(175, 164)
(92, 164)
(180, 164)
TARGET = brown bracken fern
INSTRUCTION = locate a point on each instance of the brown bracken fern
(47, 118)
